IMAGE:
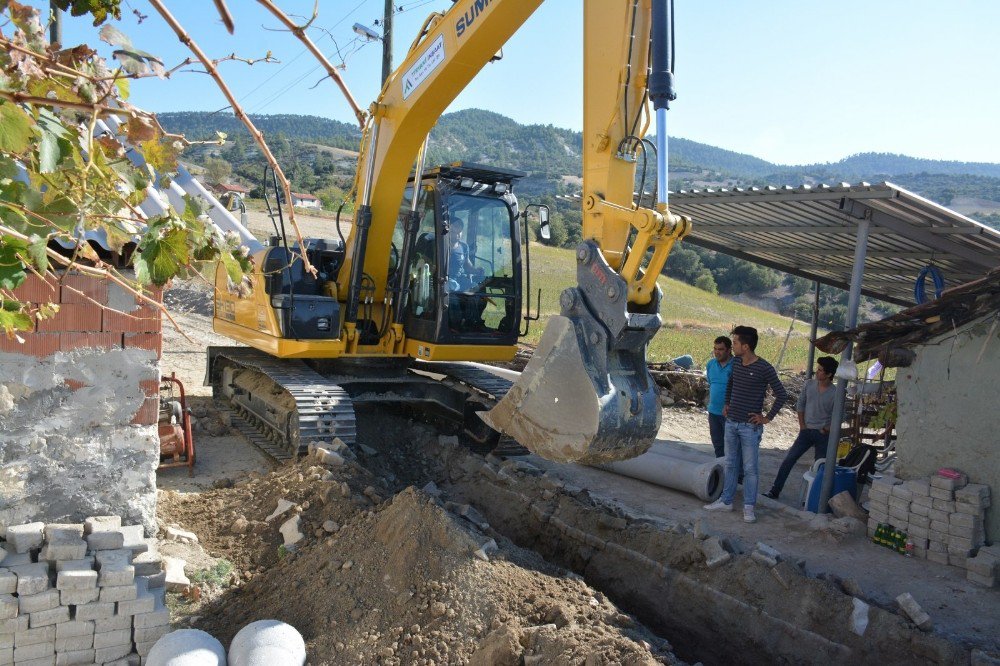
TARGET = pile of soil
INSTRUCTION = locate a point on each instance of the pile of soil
(388, 573)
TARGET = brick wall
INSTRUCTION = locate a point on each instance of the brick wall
(79, 403)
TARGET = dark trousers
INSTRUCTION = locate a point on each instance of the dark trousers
(807, 439)
(717, 429)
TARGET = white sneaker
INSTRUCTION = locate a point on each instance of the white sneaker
(718, 505)
(748, 514)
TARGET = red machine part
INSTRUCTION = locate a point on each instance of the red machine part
(176, 440)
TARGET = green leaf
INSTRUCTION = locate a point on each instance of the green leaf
(233, 267)
(12, 319)
(36, 251)
(115, 37)
(162, 255)
(15, 129)
(123, 87)
(54, 146)
(11, 269)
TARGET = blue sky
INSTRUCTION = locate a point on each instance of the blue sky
(791, 82)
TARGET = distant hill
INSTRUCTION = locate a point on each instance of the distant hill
(552, 157)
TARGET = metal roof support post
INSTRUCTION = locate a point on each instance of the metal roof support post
(853, 301)
(812, 333)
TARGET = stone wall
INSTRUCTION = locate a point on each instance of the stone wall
(948, 411)
(79, 405)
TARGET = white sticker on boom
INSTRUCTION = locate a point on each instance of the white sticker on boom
(422, 68)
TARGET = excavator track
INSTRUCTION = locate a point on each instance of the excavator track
(322, 409)
(285, 404)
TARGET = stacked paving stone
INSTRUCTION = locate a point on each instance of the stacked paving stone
(80, 594)
(941, 516)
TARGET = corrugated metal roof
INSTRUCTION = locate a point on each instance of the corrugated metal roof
(811, 232)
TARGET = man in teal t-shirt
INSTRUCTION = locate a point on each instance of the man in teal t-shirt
(718, 370)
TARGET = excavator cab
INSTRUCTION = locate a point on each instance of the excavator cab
(464, 265)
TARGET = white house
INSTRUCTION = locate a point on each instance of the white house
(305, 200)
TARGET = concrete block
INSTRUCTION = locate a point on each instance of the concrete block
(975, 533)
(940, 558)
(74, 628)
(919, 510)
(919, 521)
(966, 520)
(63, 547)
(898, 515)
(957, 560)
(143, 649)
(958, 544)
(6, 641)
(938, 546)
(912, 610)
(116, 557)
(899, 503)
(158, 580)
(116, 575)
(24, 538)
(918, 487)
(980, 579)
(16, 559)
(948, 506)
(939, 524)
(131, 659)
(134, 539)
(157, 618)
(79, 597)
(916, 531)
(36, 651)
(101, 524)
(58, 530)
(148, 564)
(8, 606)
(47, 617)
(878, 516)
(45, 634)
(901, 492)
(946, 483)
(7, 655)
(105, 540)
(144, 603)
(105, 639)
(922, 500)
(71, 658)
(104, 655)
(983, 565)
(71, 643)
(969, 509)
(76, 579)
(119, 593)
(177, 534)
(32, 603)
(31, 578)
(885, 483)
(95, 611)
(8, 581)
(14, 625)
(175, 579)
(84, 564)
(974, 493)
(942, 494)
(43, 661)
(715, 554)
(150, 634)
(280, 642)
(113, 623)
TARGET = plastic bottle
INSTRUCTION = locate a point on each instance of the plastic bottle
(909, 548)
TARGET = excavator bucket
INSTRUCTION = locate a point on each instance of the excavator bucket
(586, 395)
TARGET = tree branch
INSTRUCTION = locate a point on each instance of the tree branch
(300, 32)
(244, 118)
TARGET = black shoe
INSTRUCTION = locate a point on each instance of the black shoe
(770, 493)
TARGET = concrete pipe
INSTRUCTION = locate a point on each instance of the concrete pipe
(187, 647)
(267, 642)
(682, 451)
(701, 479)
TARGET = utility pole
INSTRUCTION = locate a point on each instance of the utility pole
(55, 28)
(387, 41)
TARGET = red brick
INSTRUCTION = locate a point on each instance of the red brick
(151, 387)
(150, 341)
(144, 319)
(38, 290)
(149, 413)
(84, 289)
(70, 341)
(73, 317)
(35, 344)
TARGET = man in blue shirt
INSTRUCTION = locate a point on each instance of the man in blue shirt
(717, 371)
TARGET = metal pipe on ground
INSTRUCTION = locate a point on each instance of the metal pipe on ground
(663, 467)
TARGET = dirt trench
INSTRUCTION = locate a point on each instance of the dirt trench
(388, 572)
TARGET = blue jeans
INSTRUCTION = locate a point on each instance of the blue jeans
(742, 440)
(807, 439)
(717, 429)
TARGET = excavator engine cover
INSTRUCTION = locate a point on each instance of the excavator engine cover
(586, 395)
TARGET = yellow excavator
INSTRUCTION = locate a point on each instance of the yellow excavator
(435, 272)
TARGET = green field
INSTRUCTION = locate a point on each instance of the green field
(692, 318)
